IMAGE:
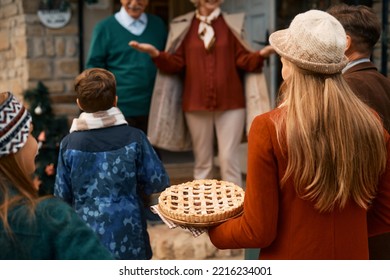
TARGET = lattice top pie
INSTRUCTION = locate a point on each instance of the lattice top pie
(202, 201)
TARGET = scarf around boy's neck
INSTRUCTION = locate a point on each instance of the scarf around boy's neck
(101, 119)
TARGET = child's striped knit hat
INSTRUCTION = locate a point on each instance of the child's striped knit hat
(15, 123)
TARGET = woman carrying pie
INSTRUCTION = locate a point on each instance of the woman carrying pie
(318, 181)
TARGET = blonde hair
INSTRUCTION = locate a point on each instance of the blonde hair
(336, 147)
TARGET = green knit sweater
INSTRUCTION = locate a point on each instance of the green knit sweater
(134, 71)
(56, 233)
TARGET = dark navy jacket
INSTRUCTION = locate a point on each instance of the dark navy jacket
(103, 173)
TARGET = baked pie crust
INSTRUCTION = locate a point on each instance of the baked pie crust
(201, 202)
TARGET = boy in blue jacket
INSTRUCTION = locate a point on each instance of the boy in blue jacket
(106, 168)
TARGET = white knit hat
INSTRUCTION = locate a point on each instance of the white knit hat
(15, 123)
(314, 41)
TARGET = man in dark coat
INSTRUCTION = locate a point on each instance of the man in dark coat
(363, 30)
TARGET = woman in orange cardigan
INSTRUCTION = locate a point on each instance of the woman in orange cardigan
(318, 181)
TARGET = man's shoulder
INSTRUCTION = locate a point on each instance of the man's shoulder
(365, 72)
(154, 18)
(53, 205)
(362, 67)
(102, 139)
(108, 131)
(158, 24)
(106, 22)
(158, 28)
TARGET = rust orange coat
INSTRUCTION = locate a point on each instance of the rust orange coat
(283, 225)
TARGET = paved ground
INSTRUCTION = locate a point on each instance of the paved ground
(179, 165)
(178, 244)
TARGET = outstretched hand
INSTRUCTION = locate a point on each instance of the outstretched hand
(267, 51)
(144, 47)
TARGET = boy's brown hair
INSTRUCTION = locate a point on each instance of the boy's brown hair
(95, 89)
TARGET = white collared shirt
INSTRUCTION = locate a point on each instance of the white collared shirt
(355, 62)
(135, 26)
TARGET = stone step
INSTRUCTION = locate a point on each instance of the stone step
(180, 165)
(179, 244)
(180, 172)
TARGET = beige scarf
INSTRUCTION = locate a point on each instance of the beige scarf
(101, 119)
(206, 31)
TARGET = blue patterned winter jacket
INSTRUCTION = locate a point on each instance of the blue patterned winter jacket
(103, 173)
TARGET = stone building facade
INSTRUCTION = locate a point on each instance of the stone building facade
(31, 52)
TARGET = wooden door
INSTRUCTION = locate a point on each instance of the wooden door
(259, 22)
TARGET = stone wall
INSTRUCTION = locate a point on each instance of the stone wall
(31, 52)
(13, 47)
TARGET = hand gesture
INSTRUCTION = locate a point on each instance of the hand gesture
(267, 51)
(144, 47)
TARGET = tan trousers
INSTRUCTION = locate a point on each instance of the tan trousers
(229, 128)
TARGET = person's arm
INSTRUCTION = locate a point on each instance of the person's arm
(62, 185)
(166, 62)
(251, 61)
(146, 48)
(257, 227)
(152, 176)
(267, 51)
(67, 235)
(246, 60)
